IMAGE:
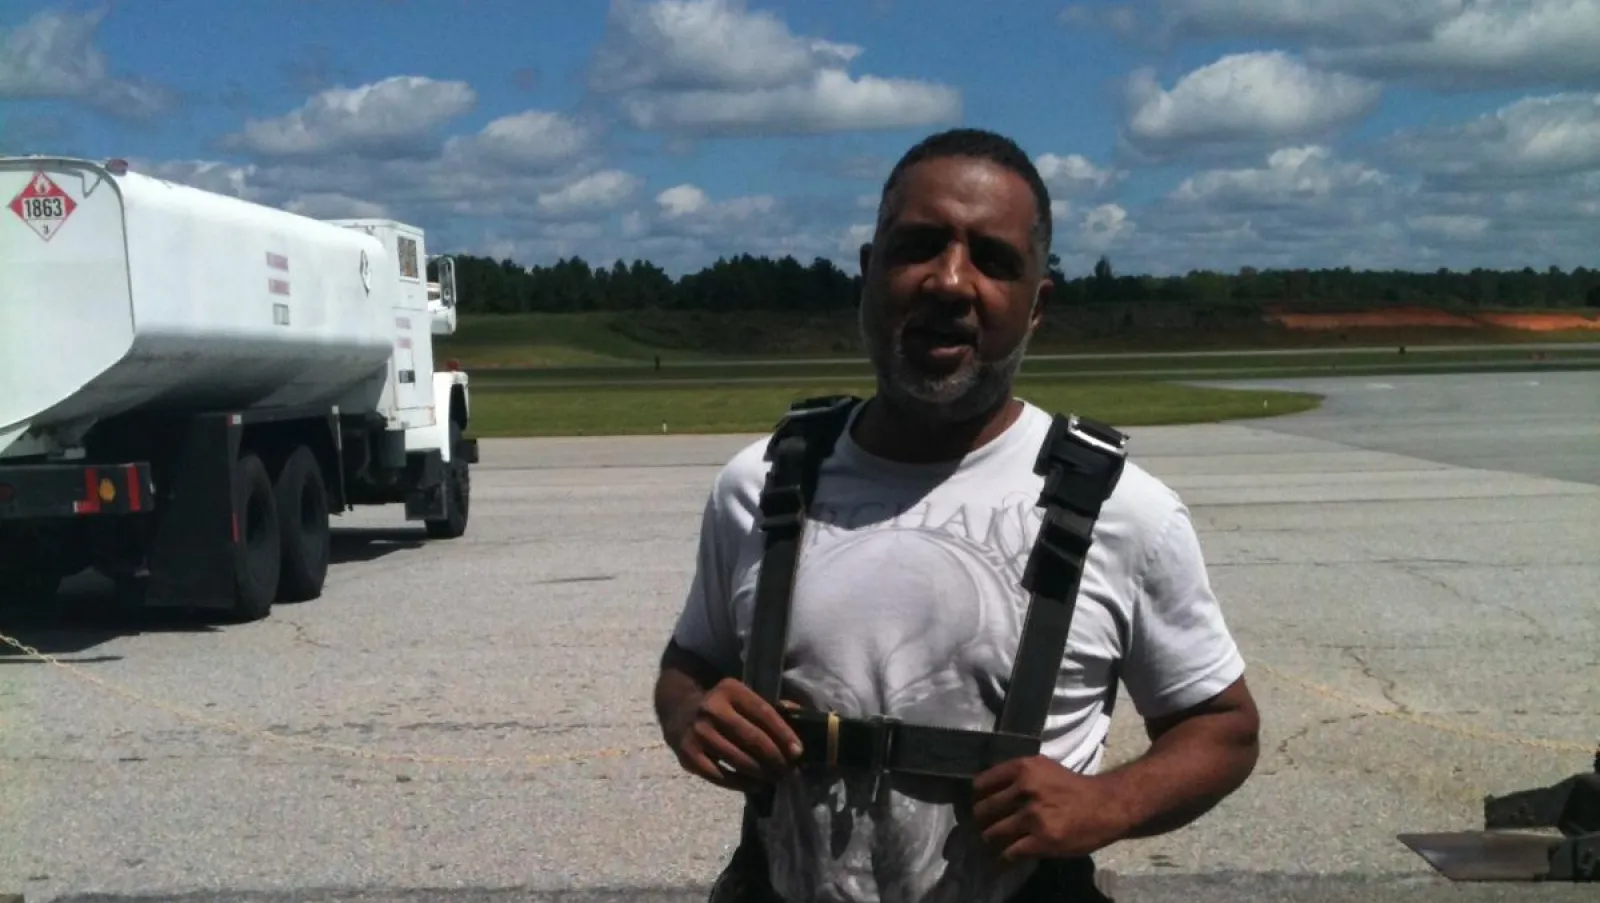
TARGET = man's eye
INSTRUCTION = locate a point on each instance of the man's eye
(997, 261)
(916, 247)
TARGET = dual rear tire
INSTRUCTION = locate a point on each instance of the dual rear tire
(284, 532)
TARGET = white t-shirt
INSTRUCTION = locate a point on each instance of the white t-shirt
(907, 602)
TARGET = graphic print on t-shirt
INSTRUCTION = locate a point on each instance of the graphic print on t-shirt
(914, 613)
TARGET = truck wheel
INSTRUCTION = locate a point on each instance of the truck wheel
(261, 541)
(457, 493)
(302, 498)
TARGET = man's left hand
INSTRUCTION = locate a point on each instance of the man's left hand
(1036, 808)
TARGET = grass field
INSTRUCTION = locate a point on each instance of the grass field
(1177, 365)
(595, 411)
(573, 374)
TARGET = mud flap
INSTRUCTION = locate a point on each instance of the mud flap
(193, 554)
(1544, 834)
(427, 499)
(1486, 855)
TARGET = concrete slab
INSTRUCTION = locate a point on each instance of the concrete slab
(471, 720)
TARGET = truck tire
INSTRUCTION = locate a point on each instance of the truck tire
(260, 556)
(302, 499)
(457, 493)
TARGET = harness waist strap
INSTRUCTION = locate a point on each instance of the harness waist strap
(837, 743)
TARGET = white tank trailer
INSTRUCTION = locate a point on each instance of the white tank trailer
(191, 384)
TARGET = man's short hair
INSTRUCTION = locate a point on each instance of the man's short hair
(986, 145)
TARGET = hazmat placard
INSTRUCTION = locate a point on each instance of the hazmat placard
(43, 206)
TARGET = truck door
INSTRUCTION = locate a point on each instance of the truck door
(413, 372)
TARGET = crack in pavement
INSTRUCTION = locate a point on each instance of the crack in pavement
(301, 633)
(1462, 596)
(1282, 750)
(1386, 686)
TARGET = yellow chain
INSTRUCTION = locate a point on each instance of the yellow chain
(1316, 689)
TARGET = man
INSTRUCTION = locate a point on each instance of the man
(907, 602)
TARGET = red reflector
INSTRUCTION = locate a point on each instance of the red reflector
(132, 473)
(452, 365)
(7, 494)
(91, 493)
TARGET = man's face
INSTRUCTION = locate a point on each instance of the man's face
(953, 289)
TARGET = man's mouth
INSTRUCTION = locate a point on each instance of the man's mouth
(941, 335)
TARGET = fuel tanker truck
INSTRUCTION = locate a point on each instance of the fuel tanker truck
(191, 384)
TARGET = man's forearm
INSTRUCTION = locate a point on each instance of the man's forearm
(682, 684)
(1190, 768)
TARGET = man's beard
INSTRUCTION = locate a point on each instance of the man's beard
(970, 391)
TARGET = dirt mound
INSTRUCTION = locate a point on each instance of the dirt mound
(1393, 317)
(1541, 322)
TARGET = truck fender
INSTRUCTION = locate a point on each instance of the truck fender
(451, 401)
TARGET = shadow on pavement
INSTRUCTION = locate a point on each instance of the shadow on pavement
(353, 544)
(83, 615)
(87, 612)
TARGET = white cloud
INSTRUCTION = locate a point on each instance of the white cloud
(524, 167)
(1450, 227)
(529, 140)
(53, 56)
(1102, 228)
(1292, 176)
(1502, 43)
(384, 118)
(1535, 136)
(830, 100)
(332, 205)
(595, 193)
(1441, 43)
(686, 210)
(1321, 21)
(687, 45)
(1243, 100)
(714, 68)
(1121, 18)
(1307, 206)
(1075, 175)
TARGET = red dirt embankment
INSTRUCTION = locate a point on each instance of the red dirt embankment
(1432, 317)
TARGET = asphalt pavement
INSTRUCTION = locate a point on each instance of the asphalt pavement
(470, 720)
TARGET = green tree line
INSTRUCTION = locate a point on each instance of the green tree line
(750, 283)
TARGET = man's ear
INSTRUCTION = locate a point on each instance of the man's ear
(1041, 300)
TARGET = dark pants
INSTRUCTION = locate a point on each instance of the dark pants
(1055, 881)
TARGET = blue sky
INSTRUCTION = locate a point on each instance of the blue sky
(1174, 134)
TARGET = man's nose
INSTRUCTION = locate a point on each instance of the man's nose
(952, 272)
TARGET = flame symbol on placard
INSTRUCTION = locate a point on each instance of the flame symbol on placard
(41, 184)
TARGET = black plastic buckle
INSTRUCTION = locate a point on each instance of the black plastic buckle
(781, 508)
(883, 730)
(1099, 435)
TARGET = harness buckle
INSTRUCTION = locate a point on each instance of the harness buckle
(883, 730)
(1092, 432)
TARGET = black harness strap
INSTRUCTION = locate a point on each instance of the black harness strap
(800, 443)
(1081, 461)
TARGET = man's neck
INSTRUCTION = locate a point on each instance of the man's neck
(890, 433)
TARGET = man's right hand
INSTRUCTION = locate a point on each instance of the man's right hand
(736, 740)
